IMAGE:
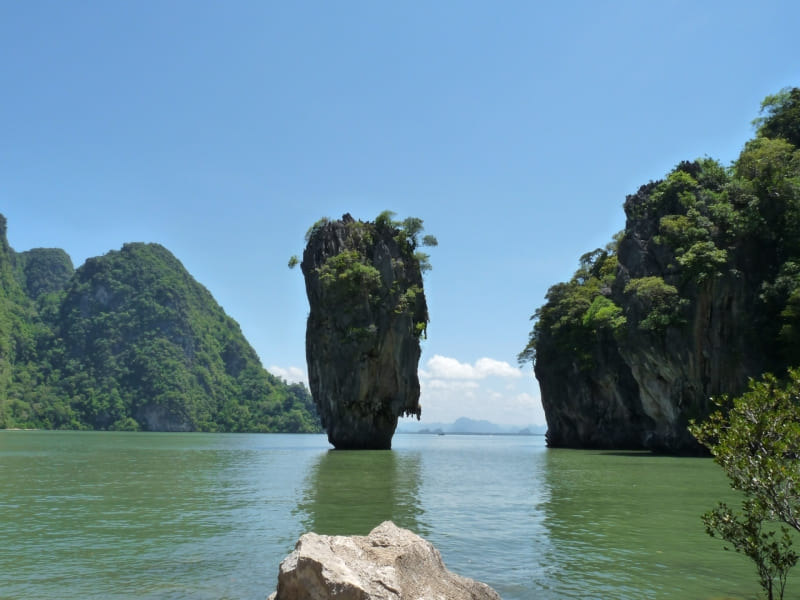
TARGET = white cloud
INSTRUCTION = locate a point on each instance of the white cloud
(525, 401)
(290, 374)
(441, 384)
(443, 367)
(486, 389)
(489, 367)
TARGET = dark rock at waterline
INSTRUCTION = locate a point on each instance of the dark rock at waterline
(367, 314)
(687, 336)
(389, 564)
(698, 294)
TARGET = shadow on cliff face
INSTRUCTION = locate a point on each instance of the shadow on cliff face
(349, 492)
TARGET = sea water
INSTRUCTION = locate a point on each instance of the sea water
(211, 516)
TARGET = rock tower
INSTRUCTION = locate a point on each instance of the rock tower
(367, 314)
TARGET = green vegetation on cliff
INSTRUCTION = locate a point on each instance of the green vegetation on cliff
(367, 315)
(350, 275)
(705, 279)
(741, 222)
(130, 341)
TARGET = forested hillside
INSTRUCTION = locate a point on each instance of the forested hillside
(129, 341)
(700, 292)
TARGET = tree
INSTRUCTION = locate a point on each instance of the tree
(756, 439)
(782, 118)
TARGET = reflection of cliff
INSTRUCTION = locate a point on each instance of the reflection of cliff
(349, 492)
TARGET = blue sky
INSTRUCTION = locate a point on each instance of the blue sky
(223, 130)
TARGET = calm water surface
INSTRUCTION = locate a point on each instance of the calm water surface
(210, 516)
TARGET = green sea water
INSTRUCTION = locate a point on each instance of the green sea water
(210, 516)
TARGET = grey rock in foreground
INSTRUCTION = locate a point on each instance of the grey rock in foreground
(389, 564)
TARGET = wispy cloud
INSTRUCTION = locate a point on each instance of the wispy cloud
(486, 389)
(290, 374)
(451, 384)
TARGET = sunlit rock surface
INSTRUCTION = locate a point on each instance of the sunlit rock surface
(389, 564)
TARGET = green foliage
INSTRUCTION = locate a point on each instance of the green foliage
(319, 224)
(702, 260)
(293, 261)
(603, 313)
(424, 260)
(412, 227)
(352, 280)
(386, 219)
(691, 201)
(349, 275)
(430, 241)
(704, 227)
(125, 424)
(755, 438)
(782, 118)
(770, 550)
(408, 299)
(42, 270)
(661, 301)
(768, 195)
(579, 312)
(128, 342)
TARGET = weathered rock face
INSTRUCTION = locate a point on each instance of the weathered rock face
(678, 329)
(367, 313)
(699, 293)
(388, 564)
(640, 392)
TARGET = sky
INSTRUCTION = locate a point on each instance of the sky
(224, 129)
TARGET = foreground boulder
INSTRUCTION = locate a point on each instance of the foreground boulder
(389, 564)
(367, 314)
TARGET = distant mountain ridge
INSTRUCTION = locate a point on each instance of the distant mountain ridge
(467, 425)
(129, 341)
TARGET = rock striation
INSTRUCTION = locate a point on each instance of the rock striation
(389, 564)
(367, 314)
(638, 387)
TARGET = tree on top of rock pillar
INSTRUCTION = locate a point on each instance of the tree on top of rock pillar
(367, 316)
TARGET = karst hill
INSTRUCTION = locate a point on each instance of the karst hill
(698, 293)
(129, 341)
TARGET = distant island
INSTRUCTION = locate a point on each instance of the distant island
(129, 341)
(464, 425)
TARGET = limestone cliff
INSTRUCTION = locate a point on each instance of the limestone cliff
(367, 314)
(700, 292)
(636, 386)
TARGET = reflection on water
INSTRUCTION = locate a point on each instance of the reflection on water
(628, 526)
(93, 516)
(80, 508)
(349, 492)
(480, 495)
(146, 516)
